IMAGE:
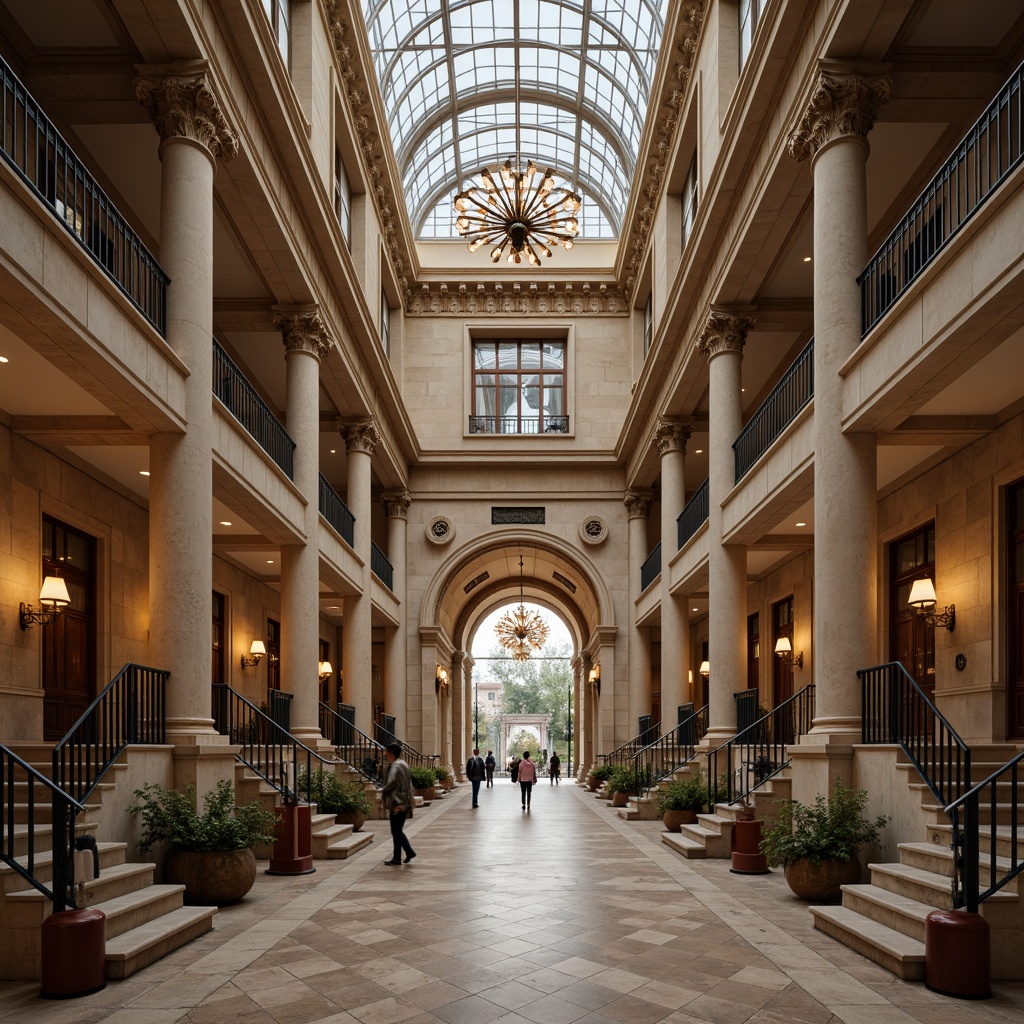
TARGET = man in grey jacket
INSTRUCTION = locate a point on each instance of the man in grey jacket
(397, 797)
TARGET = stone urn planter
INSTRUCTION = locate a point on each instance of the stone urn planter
(672, 820)
(593, 783)
(211, 878)
(353, 818)
(620, 799)
(427, 794)
(820, 883)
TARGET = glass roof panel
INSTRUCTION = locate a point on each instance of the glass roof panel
(467, 83)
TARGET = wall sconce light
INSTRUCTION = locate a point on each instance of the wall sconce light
(705, 669)
(257, 649)
(595, 678)
(54, 598)
(324, 670)
(784, 649)
(441, 681)
(922, 598)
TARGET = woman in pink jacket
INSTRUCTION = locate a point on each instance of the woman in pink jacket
(527, 777)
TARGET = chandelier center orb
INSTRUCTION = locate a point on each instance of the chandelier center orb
(518, 210)
(523, 631)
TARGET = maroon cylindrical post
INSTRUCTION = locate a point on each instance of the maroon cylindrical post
(957, 954)
(747, 858)
(293, 847)
(74, 953)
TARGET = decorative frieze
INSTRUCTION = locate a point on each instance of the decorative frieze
(472, 300)
(304, 332)
(359, 436)
(724, 331)
(182, 104)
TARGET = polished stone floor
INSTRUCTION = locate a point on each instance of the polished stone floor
(563, 914)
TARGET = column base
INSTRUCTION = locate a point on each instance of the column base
(816, 766)
(716, 736)
(838, 729)
(203, 765)
(192, 730)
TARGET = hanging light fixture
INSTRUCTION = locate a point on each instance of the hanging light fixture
(522, 632)
(517, 212)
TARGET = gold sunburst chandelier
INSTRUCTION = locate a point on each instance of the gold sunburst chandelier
(521, 213)
(522, 632)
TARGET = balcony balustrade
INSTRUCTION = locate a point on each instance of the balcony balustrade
(519, 424)
(336, 512)
(381, 567)
(693, 516)
(651, 568)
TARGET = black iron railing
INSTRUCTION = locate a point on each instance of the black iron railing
(625, 753)
(242, 401)
(758, 752)
(897, 710)
(266, 747)
(381, 567)
(519, 424)
(384, 730)
(651, 569)
(48, 165)
(776, 412)
(999, 795)
(130, 709)
(986, 156)
(25, 792)
(658, 760)
(336, 512)
(747, 708)
(351, 745)
(693, 516)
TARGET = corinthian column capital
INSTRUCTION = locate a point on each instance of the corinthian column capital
(842, 103)
(181, 101)
(725, 330)
(359, 436)
(396, 505)
(638, 504)
(672, 435)
(304, 331)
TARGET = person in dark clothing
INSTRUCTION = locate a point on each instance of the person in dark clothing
(554, 768)
(397, 797)
(476, 772)
(490, 764)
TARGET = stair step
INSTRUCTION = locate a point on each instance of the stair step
(689, 848)
(117, 880)
(891, 949)
(43, 836)
(134, 909)
(916, 883)
(901, 913)
(147, 943)
(344, 848)
(628, 813)
(11, 882)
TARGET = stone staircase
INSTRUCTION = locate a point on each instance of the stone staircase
(884, 919)
(144, 921)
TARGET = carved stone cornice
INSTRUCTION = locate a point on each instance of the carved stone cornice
(840, 104)
(669, 103)
(672, 435)
(304, 332)
(396, 504)
(359, 435)
(724, 331)
(638, 504)
(518, 298)
(182, 104)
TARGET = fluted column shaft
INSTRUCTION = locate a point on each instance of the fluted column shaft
(460, 730)
(638, 509)
(396, 508)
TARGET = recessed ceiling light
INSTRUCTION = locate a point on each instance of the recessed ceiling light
(4, 359)
(270, 561)
(699, 451)
(693, 609)
(224, 522)
(333, 452)
(143, 472)
(807, 259)
(801, 524)
(333, 608)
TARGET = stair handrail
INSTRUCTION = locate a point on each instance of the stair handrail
(626, 751)
(351, 745)
(266, 747)
(64, 808)
(131, 708)
(761, 747)
(966, 844)
(894, 709)
(659, 759)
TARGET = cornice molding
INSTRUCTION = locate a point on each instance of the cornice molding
(518, 298)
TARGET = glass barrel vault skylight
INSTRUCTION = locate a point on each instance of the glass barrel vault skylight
(448, 74)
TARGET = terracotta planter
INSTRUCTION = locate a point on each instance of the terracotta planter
(819, 883)
(448, 782)
(673, 819)
(353, 818)
(427, 794)
(620, 799)
(213, 878)
(593, 783)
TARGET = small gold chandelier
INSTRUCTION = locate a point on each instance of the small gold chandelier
(520, 213)
(521, 631)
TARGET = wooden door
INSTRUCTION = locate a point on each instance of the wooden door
(273, 654)
(911, 639)
(782, 668)
(753, 651)
(1015, 612)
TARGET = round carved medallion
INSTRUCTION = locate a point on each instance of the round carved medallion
(440, 530)
(593, 530)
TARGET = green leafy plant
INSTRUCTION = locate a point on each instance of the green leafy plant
(422, 778)
(623, 779)
(601, 772)
(441, 772)
(331, 794)
(827, 830)
(170, 816)
(689, 793)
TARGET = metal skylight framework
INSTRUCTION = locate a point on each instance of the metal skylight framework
(447, 73)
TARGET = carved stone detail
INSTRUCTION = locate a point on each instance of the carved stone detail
(396, 504)
(638, 504)
(184, 106)
(840, 104)
(359, 435)
(304, 332)
(672, 435)
(518, 298)
(724, 331)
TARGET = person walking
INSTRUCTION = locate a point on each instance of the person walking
(490, 764)
(527, 777)
(476, 772)
(397, 797)
(554, 768)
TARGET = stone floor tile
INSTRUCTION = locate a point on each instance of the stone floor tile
(470, 1010)
(552, 1010)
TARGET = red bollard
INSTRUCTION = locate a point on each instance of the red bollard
(74, 953)
(747, 858)
(293, 848)
(957, 952)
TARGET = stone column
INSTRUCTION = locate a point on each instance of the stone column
(306, 343)
(638, 508)
(722, 341)
(460, 730)
(586, 706)
(577, 711)
(360, 439)
(396, 509)
(671, 437)
(833, 134)
(471, 714)
(443, 692)
(194, 134)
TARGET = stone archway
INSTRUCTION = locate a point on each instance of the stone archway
(508, 722)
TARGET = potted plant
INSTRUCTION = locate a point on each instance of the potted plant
(347, 801)
(622, 784)
(681, 800)
(210, 853)
(423, 781)
(443, 775)
(817, 845)
(598, 774)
